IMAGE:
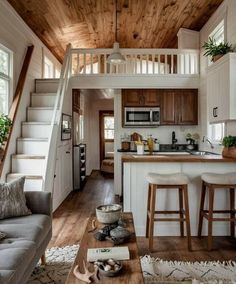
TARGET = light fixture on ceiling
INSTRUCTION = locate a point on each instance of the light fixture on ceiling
(116, 57)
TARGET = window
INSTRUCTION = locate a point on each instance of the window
(48, 68)
(5, 79)
(109, 127)
(217, 132)
(218, 33)
(57, 73)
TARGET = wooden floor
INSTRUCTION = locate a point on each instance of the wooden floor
(70, 219)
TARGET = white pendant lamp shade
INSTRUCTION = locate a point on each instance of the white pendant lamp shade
(116, 57)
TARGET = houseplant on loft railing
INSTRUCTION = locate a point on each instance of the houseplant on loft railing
(5, 125)
(216, 50)
(229, 143)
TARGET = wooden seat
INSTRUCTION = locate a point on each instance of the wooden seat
(210, 182)
(168, 181)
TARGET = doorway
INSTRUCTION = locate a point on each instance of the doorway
(106, 126)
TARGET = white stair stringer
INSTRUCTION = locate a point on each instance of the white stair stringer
(32, 146)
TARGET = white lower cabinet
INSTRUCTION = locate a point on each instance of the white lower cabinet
(63, 174)
(221, 89)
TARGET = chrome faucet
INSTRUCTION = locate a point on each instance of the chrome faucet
(207, 140)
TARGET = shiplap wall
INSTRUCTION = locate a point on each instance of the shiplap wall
(16, 36)
(226, 11)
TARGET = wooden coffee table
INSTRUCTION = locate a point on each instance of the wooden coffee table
(131, 272)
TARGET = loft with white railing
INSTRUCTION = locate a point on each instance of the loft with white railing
(162, 64)
(137, 62)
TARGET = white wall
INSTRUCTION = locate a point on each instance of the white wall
(227, 11)
(17, 36)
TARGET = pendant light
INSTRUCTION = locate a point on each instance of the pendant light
(116, 57)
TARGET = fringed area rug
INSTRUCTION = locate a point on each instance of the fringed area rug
(175, 272)
(59, 262)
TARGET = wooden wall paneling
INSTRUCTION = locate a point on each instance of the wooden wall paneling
(90, 24)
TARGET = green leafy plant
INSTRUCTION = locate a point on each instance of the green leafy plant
(229, 141)
(5, 124)
(213, 49)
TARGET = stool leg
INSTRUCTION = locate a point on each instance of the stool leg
(188, 229)
(148, 210)
(232, 214)
(152, 214)
(210, 216)
(181, 215)
(203, 194)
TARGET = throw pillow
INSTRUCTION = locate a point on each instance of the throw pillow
(12, 199)
(2, 236)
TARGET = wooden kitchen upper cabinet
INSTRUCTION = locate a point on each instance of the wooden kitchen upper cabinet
(151, 97)
(188, 107)
(140, 98)
(179, 106)
(76, 100)
(168, 112)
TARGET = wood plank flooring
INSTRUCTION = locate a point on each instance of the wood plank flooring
(69, 222)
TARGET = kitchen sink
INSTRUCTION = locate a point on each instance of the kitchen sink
(202, 153)
(156, 154)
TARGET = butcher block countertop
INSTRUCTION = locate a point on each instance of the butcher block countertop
(162, 157)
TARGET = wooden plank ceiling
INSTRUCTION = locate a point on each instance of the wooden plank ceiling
(91, 23)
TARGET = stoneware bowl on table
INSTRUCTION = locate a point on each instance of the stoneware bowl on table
(109, 267)
(108, 214)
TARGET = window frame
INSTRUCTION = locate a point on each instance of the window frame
(8, 78)
(212, 131)
(105, 139)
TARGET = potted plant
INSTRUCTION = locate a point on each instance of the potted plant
(229, 143)
(216, 50)
(5, 124)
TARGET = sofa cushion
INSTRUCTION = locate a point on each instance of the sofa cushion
(15, 256)
(12, 199)
(2, 236)
(6, 276)
(32, 228)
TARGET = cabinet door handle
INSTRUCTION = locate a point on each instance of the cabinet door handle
(215, 112)
(67, 152)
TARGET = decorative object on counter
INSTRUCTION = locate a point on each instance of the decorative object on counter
(229, 143)
(216, 51)
(150, 143)
(135, 137)
(140, 147)
(156, 145)
(109, 267)
(86, 276)
(191, 139)
(125, 145)
(108, 214)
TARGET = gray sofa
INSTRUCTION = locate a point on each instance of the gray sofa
(27, 239)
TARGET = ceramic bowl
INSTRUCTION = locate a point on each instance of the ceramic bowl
(108, 214)
(111, 273)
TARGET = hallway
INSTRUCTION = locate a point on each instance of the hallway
(69, 222)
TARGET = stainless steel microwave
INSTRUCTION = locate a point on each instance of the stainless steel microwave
(141, 116)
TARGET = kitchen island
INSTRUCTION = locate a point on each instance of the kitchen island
(135, 170)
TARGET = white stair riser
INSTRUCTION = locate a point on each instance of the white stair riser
(46, 87)
(30, 184)
(40, 115)
(28, 166)
(35, 131)
(42, 101)
(32, 147)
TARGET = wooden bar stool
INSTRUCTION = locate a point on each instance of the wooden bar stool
(212, 181)
(167, 181)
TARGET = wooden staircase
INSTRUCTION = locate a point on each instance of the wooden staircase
(32, 146)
